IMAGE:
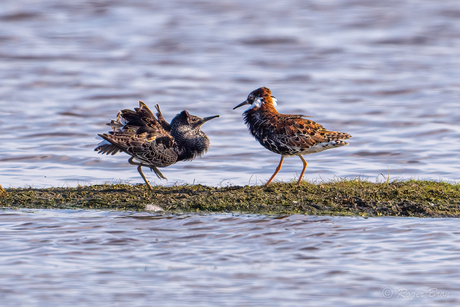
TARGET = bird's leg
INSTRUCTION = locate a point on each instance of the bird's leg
(303, 170)
(158, 173)
(139, 169)
(276, 171)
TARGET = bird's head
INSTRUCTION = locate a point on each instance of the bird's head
(191, 141)
(257, 98)
(188, 121)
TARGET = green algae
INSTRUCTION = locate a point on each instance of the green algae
(343, 197)
(2, 192)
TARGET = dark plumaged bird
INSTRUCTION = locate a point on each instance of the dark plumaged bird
(285, 134)
(151, 141)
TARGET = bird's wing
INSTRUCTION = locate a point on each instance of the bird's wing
(299, 132)
(155, 150)
(141, 120)
(161, 119)
(138, 133)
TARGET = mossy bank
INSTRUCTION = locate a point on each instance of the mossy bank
(344, 197)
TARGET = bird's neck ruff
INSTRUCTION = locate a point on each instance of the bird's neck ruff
(257, 119)
(191, 144)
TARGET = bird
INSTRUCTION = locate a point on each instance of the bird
(286, 134)
(152, 141)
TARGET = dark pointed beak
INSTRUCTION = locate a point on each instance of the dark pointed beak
(209, 118)
(241, 104)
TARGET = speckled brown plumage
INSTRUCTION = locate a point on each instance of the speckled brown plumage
(152, 141)
(286, 134)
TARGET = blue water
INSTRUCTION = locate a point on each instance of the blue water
(385, 72)
(77, 258)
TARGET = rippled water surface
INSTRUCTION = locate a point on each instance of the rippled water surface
(387, 72)
(74, 258)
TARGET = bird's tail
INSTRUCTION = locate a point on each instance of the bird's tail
(337, 136)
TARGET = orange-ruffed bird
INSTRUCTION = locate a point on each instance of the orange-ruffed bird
(286, 134)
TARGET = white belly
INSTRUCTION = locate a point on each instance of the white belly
(323, 146)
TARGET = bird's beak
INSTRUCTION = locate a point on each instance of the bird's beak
(241, 104)
(209, 118)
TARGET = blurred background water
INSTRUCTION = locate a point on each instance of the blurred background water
(387, 72)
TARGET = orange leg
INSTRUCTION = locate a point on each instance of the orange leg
(303, 170)
(276, 171)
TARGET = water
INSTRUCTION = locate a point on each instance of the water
(74, 258)
(384, 71)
